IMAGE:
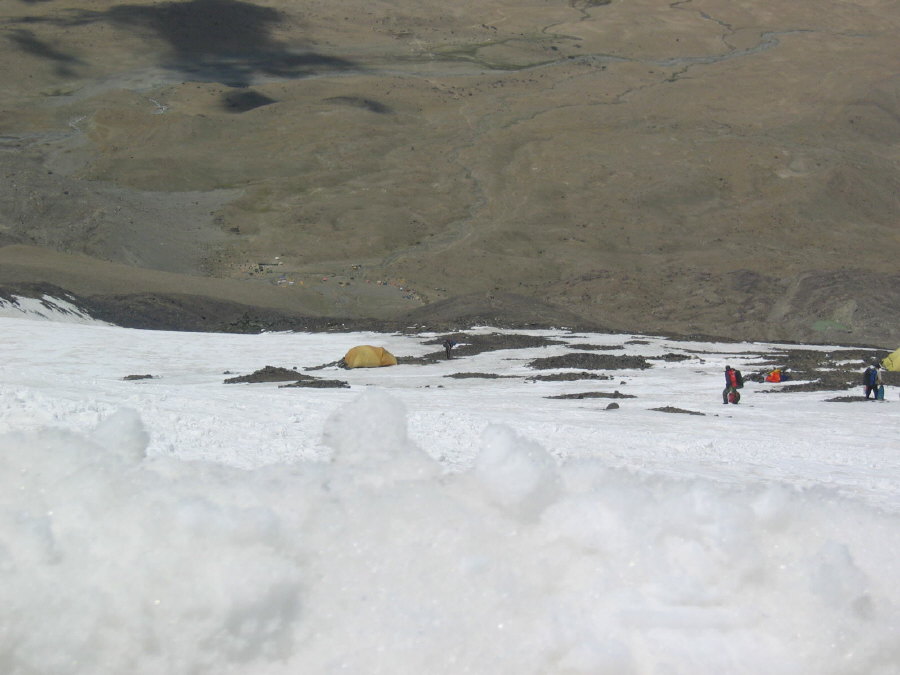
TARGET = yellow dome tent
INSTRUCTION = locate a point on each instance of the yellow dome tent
(366, 356)
(892, 362)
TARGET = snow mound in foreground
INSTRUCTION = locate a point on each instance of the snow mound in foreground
(378, 562)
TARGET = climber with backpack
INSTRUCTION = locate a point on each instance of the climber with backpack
(872, 382)
(733, 381)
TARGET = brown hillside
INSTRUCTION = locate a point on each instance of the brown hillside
(729, 168)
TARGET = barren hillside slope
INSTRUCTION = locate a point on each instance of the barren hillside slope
(722, 167)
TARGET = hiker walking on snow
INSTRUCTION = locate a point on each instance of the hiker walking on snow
(733, 382)
(871, 381)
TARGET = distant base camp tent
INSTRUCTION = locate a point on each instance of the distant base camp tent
(892, 362)
(366, 356)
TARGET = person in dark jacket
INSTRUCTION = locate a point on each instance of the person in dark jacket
(871, 380)
(448, 345)
(731, 385)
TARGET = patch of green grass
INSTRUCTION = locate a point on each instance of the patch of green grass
(825, 325)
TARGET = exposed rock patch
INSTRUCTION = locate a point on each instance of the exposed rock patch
(470, 344)
(590, 362)
(316, 383)
(822, 370)
(671, 358)
(481, 376)
(594, 394)
(847, 399)
(268, 374)
(671, 409)
(276, 374)
(568, 377)
(590, 347)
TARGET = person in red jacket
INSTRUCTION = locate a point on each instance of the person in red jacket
(731, 385)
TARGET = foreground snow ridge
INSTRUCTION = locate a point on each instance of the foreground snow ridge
(422, 525)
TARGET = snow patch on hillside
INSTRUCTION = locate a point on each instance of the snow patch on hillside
(45, 308)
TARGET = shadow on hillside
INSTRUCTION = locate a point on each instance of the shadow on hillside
(27, 42)
(226, 41)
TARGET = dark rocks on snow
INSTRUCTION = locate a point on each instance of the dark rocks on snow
(568, 377)
(605, 348)
(482, 376)
(316, 383)
(847, 399)
(594, 394)
(275, 374)
(590, 362)
(670, 357)
(670, 409)
(470, 344)
(267, 374)
(822, 371)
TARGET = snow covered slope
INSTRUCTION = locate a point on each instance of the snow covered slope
(45, 308)
(416, 522)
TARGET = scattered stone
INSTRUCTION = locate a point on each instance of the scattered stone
(594, 394)
(590, 362)
(568, 377)
(847, 399)
(822, 380)
(129, 378)
(316, 383)
(598, 347)
(820, 370)
(332, 364)
(612, 406)
(670, 409)
(471, 344)
(268, 374)
(483, 376)
(670, 357)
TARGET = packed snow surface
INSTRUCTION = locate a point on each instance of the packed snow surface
(415, 523)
